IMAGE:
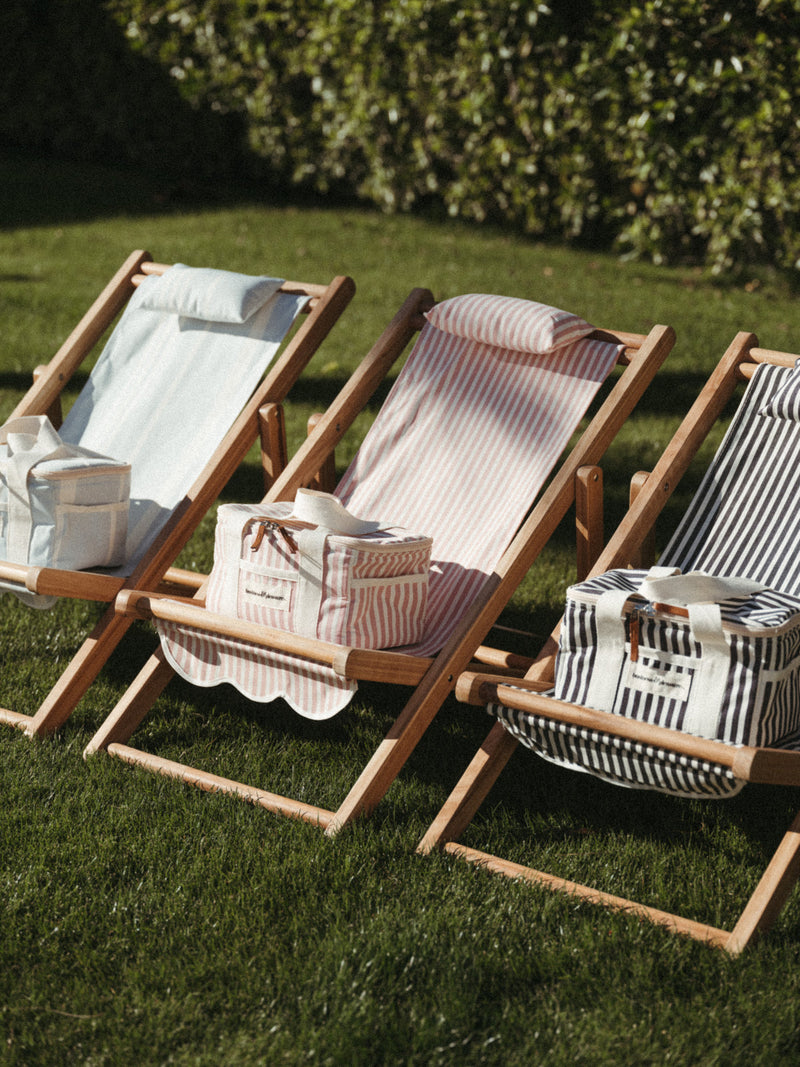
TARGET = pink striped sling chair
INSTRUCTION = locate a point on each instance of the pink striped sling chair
(469, 434)
(742, 525)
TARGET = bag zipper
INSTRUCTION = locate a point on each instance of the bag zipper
(281, 526)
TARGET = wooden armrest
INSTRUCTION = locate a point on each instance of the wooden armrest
(50, 581)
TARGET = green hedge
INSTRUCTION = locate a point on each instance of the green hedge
(670, 128)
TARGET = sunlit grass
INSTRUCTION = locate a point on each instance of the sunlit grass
(142, 922)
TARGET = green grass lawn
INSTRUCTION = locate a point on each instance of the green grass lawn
(143, 922)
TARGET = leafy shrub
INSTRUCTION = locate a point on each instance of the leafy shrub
(700, 124)
(670, 128)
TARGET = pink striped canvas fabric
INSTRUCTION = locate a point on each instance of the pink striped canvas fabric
(312, 689)
(459, 451)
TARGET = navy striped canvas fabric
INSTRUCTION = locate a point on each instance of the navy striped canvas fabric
(744, 522)
(744, 519)
(617, 759)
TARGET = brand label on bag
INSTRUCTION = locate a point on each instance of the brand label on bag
(276, 596)
(659, 679)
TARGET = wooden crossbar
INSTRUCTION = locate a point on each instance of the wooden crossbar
(697, 930)
(213, 783)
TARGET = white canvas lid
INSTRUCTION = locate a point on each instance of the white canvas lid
(324, 509)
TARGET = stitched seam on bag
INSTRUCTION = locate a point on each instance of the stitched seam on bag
(74, 473)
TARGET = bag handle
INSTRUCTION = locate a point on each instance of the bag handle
(29, 440)
(38, 428)
(695, 588)
(695, 595)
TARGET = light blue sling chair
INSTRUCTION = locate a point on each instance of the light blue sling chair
(193, 374)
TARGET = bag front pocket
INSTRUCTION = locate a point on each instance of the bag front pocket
(83, 536)
(266, 595)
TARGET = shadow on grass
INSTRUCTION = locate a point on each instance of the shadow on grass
(20, 381)
(697, 858)
(572, 824)
(73, 90)
(535, 809)
(55, 191)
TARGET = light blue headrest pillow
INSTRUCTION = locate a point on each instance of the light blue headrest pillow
(206, 293)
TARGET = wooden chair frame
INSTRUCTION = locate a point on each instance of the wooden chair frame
(750, 764)
(260, 419)
(432, 679)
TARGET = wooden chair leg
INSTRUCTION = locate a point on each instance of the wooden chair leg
(84, 667)
(134, 705)
(274, 452)
(588, 518)
(771, 892)
(473, 788)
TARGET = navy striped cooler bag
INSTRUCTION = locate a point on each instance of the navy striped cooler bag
(715, 657)
(707, 643)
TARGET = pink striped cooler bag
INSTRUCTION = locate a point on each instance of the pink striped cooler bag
(317, 571)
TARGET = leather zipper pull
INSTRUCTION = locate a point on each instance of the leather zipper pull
(290, 541)
(259, 536)
(634, 631)
(270, 524)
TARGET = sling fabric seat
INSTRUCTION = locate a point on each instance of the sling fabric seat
(471, 429)
(742, 522)
(177, 393)
(461, 406)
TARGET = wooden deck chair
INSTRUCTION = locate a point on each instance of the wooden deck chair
(181, 391)
(472, 428)
(744, 522)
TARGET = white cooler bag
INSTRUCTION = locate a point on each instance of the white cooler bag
(317, 571)
(60, 505)
(715, 657)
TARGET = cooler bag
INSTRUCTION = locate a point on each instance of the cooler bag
(319, 572)
(718, 658)
(61, 505)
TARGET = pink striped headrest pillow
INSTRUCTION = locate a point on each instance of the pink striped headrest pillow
(508, 322)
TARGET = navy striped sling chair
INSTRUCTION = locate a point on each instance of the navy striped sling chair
(685, 677)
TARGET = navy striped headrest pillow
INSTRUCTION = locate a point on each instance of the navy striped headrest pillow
(785, 404)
